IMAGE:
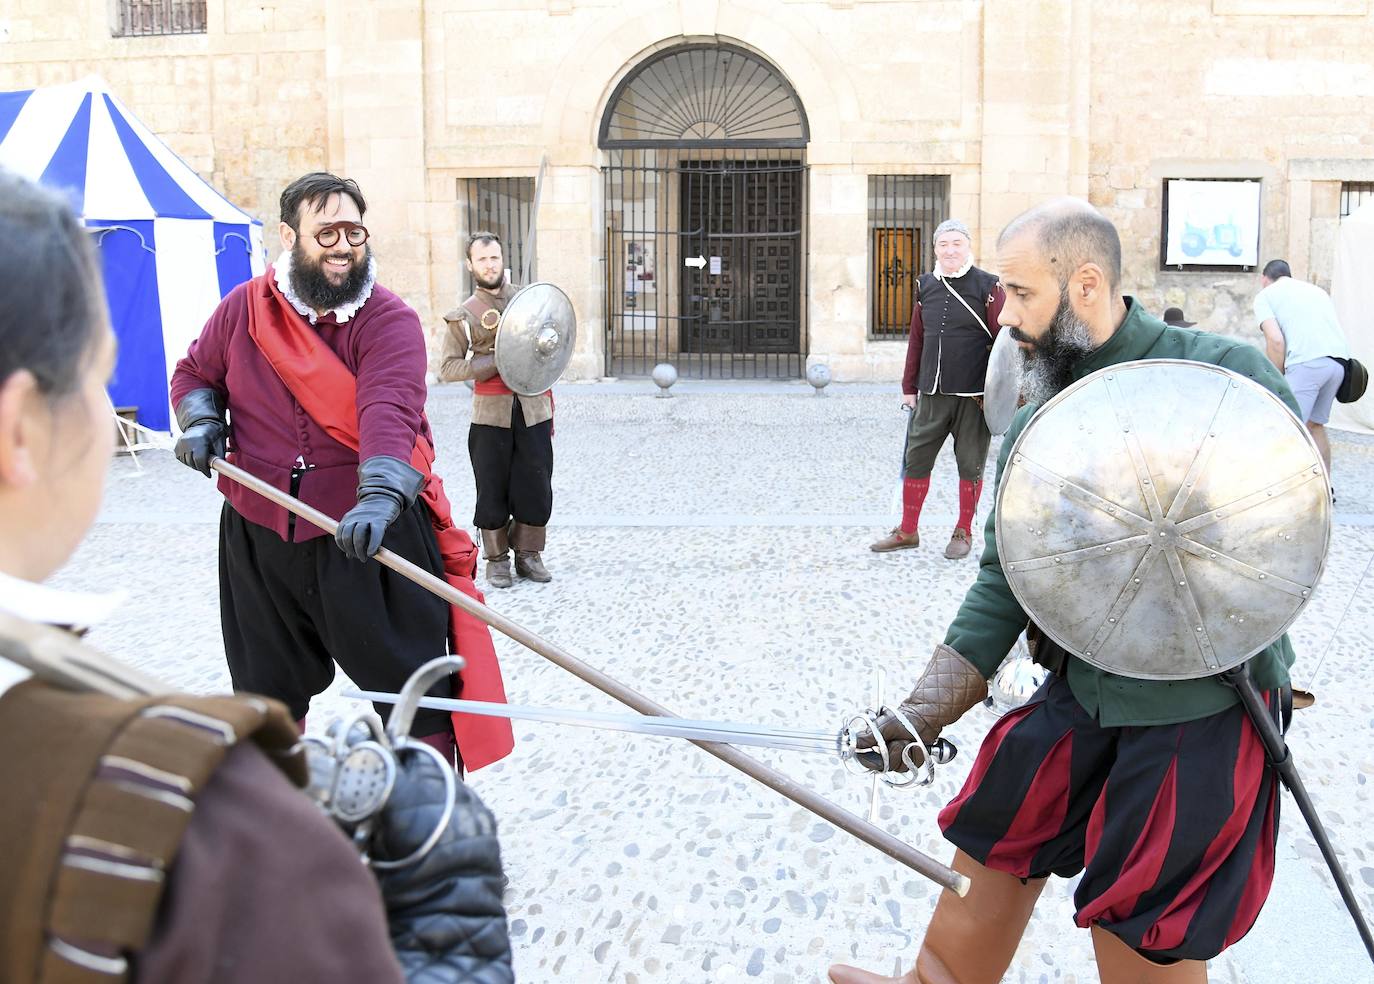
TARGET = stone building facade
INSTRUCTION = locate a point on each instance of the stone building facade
(743, 242)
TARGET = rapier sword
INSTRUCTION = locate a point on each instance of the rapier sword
(843, 743)
(865, 831)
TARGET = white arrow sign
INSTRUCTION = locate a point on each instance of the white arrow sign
(695, 261)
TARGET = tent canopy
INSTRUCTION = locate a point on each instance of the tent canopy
(1350, 293)
(170, 244)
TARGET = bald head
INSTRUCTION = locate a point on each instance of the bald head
(1066, 233)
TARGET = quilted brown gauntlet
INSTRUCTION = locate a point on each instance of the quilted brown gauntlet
(949, 686)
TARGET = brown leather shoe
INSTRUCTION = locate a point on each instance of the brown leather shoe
(843, 974)
(496, 551)
(498, 572)
(528, 564)
(896, 540)
(959, 545)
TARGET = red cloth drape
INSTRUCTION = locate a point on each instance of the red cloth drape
(323, 385)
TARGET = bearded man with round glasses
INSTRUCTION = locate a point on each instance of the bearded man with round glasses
(312, 377)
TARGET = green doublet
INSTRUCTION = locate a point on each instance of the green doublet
(990, 618)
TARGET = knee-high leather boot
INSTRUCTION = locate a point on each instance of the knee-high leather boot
(496, 551)
(528, 541)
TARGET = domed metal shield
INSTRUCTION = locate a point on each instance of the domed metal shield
(1164, 520)
(1002, 383)
(535, 339)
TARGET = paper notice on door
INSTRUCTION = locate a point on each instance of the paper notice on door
(715, 266)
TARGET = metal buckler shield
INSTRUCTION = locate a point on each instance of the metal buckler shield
(1002, 383)
(1164, 520)
(535, 339)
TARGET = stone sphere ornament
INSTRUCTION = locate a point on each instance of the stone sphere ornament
(665, 375)
(818, 375)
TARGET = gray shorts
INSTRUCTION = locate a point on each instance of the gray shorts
(1314, 384)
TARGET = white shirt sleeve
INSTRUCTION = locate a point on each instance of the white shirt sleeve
(1263, 312)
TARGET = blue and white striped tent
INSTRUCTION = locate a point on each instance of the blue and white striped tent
(170, 244)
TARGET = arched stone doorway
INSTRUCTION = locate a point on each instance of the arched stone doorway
(705, 187)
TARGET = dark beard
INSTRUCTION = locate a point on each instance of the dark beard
(1049, 364)
(494, 285)
(314, 288)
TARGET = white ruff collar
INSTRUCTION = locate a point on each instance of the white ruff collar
(282, 268)
(54, 606)
(75, 610)
(968, 265)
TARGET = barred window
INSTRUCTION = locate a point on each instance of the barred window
(145, 18)
(1354, 194)
(502, 206)
(903, 211)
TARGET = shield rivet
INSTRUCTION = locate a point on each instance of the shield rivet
(1198, 629)
(1181, 583)
(1109, 550)
(1058, 560)
(1212, 556)
(1112, 621)
(1011, 567)
(1240, 621)
(1018, 459)
(1137, 580)
(1263, 576)
(1306, 593)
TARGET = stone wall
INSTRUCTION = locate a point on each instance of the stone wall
(1280, 90)
(1014, 100)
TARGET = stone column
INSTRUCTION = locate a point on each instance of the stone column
(1036, 58)
(374, 70)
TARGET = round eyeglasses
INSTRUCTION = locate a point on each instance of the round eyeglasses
(355, 235)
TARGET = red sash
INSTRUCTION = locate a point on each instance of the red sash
(322, 384)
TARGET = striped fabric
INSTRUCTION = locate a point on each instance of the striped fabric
(170, 245)
(1173, 826)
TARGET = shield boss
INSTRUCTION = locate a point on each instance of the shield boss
(535, 338)
(1163, 520)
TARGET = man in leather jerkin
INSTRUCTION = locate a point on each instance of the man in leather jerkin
(510, 440)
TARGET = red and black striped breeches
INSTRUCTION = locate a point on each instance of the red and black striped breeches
(1173, 826)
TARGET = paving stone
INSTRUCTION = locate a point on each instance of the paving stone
(711, 551)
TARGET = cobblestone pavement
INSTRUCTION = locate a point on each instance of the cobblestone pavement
(711, 551)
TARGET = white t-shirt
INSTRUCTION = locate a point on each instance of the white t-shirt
(1306, 317)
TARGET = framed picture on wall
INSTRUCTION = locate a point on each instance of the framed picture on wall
(1210, 224)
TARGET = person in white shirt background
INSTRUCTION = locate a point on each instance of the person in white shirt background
(1303, 339)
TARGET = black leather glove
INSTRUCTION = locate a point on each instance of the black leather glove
(203, 430)
(483, 367)
(949, 686)
(448, 924)
(385, 487)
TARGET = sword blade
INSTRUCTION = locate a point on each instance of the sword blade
(726, 732)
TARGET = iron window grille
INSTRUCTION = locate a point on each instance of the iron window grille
(1354, 194)
(704, 95)
(706, 261)
(903, 211)
(502, 206)
(148, 18)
